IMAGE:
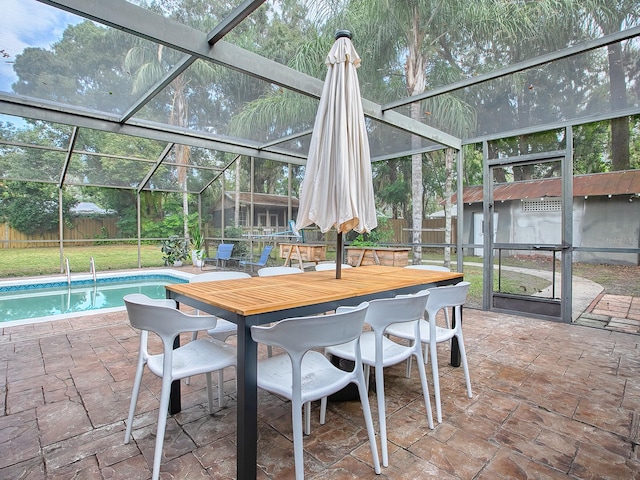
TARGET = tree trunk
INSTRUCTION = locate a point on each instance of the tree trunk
(618, 100)
(179, 116)
(236, 217)
(448, 156)
(182, 157)
(416, 84)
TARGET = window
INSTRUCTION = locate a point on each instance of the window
(542, 205)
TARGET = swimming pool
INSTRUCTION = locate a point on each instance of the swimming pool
(52, 298)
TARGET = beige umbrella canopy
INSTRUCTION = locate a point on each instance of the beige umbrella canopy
(337, 190)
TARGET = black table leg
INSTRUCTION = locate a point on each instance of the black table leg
(247, 402)
(174, 397)
(455, 348)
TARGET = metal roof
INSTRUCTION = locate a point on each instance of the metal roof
(611, 183)
(264, 199)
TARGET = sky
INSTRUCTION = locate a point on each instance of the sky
(27, 23)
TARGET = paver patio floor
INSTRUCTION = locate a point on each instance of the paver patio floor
(550, 401)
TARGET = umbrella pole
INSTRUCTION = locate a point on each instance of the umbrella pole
(339, 256)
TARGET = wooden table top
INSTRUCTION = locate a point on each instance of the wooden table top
(256, 295)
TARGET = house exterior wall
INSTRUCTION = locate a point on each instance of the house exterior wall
(279, 212)
(610, 223)
(599, 222)
(535, 227)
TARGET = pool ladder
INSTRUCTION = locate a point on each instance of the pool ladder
(68, 270)
(92, 269)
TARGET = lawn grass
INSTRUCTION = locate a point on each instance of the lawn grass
(616, 279)
(46, 261)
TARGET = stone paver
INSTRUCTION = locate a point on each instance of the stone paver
(550, 401)
(619, 313)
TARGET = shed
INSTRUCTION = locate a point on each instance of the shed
(606, 213)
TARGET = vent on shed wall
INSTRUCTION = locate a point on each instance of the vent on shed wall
(546, 205)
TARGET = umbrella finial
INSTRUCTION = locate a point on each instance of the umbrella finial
(343, 33)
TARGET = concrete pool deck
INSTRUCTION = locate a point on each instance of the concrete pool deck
(551, 401)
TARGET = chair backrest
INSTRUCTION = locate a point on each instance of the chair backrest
(435, 268)
(403, 308)
(330, 266)
(273, 271)
(446, 296)
(299, 234)
(214, 276)
(163, 318)
(224, 251)
(298, 335)
(264, 256)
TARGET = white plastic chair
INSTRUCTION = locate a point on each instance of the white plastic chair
(379, 351)
(447, 318)
(303, 375)
(273, 271)
(435, 268)
(224, 328)
(330, 266)
(431, 334)
(201, 356)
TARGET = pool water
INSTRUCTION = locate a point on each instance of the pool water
(50, 300)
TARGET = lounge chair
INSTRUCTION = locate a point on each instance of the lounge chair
(261, 262)
(223, 255)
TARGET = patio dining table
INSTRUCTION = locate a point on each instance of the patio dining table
(261, 300)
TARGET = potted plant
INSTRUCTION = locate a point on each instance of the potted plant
(197, 248)
(366, 249)
(174, 250)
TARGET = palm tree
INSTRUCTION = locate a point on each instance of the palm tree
(415, 36)
(148, 64)
(432, 43)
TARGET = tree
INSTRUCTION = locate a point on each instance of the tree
(610, 17)
(428, 44)
(149, 63)
(83, 68)
(32, 207)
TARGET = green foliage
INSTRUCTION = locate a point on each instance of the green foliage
(174, 249)
(634, 144)
(197, 240)
(240, 249)
(392, 186)
(382, 234)
(169, 226)
(589, 148)
(360, 241)
(197, 243)
(31, 207)
(93, 53)
(127, 223)
(104, 233)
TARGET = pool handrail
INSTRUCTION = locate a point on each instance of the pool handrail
(92, 269)
(66, 261)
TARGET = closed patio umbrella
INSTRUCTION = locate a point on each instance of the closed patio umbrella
(337, 190)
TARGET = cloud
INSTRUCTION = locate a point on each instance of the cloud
(28, 23)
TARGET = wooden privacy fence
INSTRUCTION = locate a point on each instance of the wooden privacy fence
(76, 229)
(432, 231)
(98, 228)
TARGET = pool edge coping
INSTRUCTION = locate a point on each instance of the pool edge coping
(82, 277)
